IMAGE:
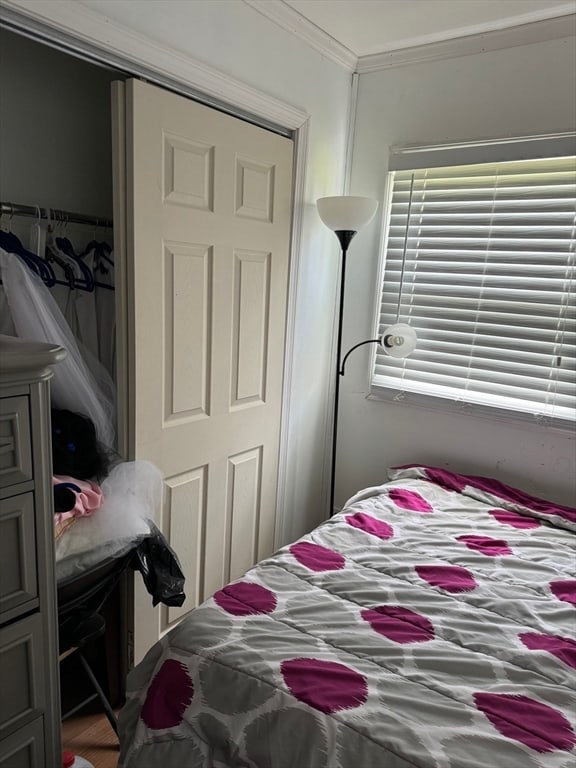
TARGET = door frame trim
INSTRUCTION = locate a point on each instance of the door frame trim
(69, 26)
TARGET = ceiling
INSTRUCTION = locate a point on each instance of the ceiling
(368, 27)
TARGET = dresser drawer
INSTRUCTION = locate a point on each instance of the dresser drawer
(18, 578)
(15, 448)
(22, 662)
(25, 748)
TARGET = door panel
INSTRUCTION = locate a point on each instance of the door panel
(188, 287)
(250, 328)
(184, 523)
(244, 484)
(209, 211)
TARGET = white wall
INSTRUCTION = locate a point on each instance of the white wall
(232, 37)
(519, 91)
(55, 136)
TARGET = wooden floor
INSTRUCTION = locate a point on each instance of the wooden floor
(91, 736)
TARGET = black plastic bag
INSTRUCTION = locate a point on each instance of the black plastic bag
(160, 569)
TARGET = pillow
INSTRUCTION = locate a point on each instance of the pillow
(491, 491)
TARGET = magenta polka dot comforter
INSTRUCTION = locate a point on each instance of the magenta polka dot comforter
(430, 624)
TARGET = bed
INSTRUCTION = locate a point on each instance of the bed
(430, 623)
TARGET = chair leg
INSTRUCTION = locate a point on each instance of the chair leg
(101, 695)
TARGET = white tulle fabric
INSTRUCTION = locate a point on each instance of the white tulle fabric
(132, 495)
(80, 383)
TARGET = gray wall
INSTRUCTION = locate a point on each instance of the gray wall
(55, 133)
(514, 92)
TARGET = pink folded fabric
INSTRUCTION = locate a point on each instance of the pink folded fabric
(89, 497)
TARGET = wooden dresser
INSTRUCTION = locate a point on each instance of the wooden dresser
(29, 688)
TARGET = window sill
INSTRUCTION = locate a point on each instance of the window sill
(437, 404)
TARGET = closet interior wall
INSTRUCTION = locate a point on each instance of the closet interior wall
(55, 137)
(55, 132)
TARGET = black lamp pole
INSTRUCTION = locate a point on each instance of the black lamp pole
(345, 237)
(344, 215)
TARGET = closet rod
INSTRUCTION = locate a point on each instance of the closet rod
(57, 215)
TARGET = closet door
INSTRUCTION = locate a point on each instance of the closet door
(208, 198)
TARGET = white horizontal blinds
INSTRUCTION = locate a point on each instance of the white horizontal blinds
(480, 261)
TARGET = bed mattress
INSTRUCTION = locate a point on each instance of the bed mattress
(431, 623)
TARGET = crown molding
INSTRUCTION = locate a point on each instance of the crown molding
(289, 19)
(94, 34)
(508, 33)
(97, 37)
(478, 42)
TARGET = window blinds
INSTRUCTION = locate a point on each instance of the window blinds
(480, 260)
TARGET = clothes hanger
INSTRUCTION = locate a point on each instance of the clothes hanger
(95, 247)
(106, 251)
(102, 264)
(100, 247)
(37, 236)
(11, 244)
(53, 254)
(101, 258)
(66, 247)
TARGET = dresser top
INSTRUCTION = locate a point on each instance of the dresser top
(21, 356)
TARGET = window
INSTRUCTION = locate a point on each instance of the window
(480, 260)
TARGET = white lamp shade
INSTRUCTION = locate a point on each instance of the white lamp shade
(346, 213)
(399, 340)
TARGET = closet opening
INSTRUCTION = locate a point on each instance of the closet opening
(56, 219)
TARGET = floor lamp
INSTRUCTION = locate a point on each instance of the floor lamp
(346, 216)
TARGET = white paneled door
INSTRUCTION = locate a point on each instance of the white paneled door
(208, 202)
